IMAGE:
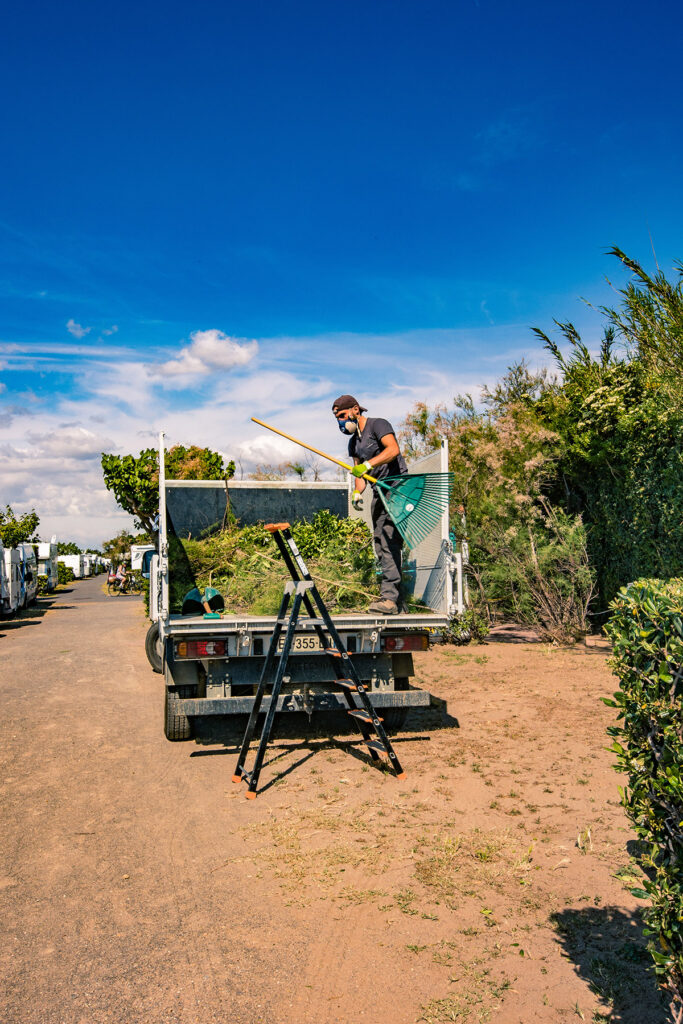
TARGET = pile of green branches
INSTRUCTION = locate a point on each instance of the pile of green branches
(244, 564)
(646, 629)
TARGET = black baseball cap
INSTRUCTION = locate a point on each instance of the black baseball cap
(346, 402)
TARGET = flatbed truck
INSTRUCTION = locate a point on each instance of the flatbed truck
(212, 666)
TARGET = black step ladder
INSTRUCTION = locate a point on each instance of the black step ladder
(301, 590)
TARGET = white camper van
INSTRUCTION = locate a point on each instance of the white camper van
(29, 574)
(47, 562)
(4, 584)
(74, 562)
(20, 579)
(137, 554)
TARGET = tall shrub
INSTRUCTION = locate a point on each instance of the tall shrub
(527, 557)
(647, 633)
(619, 415)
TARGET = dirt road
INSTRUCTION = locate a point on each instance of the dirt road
(137, 884)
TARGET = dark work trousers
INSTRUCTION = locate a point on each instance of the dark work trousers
(388, 545)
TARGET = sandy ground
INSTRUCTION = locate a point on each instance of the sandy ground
(138, 885)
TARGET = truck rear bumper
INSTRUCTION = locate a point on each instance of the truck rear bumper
(299, 702)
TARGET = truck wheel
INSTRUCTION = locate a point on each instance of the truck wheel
(394, 718)
(153, 647)
(177, 726)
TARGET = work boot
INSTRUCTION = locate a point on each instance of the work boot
(385, 606)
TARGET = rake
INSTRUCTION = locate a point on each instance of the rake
(415, 502)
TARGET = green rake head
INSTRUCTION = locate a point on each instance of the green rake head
(416, 502)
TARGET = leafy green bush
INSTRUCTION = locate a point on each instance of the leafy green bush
(65, 573)
(462, 629)
(42, 583)
(646, 629)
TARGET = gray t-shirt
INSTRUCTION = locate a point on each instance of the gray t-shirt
(368, 444)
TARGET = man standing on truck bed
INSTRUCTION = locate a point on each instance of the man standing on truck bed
(374, 450)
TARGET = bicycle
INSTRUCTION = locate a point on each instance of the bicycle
(131, 585)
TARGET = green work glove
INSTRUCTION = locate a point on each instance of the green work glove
(361, 469)
(357, 500)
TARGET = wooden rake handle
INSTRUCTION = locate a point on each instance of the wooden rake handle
(330, 458)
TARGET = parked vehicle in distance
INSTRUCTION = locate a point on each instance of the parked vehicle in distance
(137, 555)
(4, 584)
(14, 592)
(75, 563)
(29, 573)
(19, 583)
(47, 561)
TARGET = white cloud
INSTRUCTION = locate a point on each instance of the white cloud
(207, 351)
(76, 329)
(266, 449)
(50, 454)
(110, 330)
(3, 387)
(69, 441)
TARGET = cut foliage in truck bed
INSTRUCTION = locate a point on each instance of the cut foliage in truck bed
(244, 565)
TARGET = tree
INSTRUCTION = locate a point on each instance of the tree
(134, 480)
(18, 529)
(68, 548)
(117, 548)
(619, 415)
(196, 463)
(267, 471)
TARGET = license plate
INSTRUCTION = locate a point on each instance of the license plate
(302, 643)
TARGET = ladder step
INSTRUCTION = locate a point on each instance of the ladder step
(363, 716)
(376, 745)
(347, 684)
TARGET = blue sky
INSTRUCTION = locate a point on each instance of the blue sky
(215, 211)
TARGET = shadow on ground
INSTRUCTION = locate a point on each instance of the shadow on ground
(609, 952)
(322, 726)
(31, 616)
(513, 633)
(294, 733)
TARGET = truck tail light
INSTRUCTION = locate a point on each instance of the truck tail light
(200, 649)
(409, 642)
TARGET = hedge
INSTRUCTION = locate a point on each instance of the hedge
(65, 573)
(646, 629)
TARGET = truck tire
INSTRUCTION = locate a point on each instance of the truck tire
(177, 726)
(182, 681)
(153, 647)
(394, 718)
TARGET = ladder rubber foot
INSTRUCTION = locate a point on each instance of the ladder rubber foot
(237, 778)
(249, 795)
(401, 775)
